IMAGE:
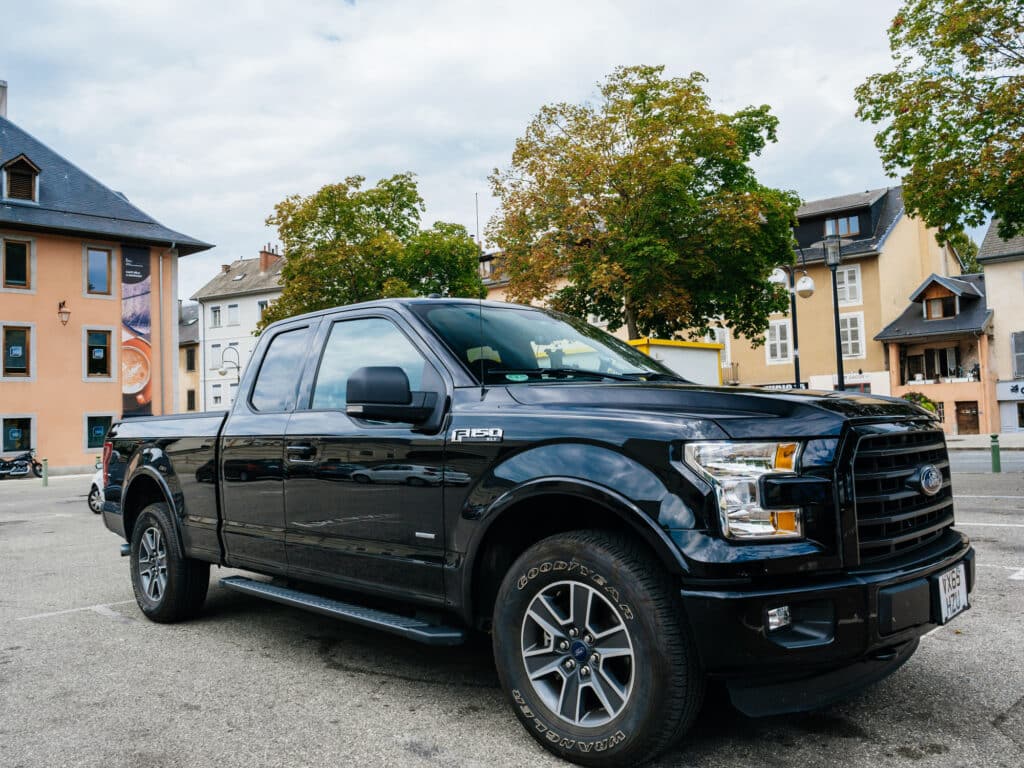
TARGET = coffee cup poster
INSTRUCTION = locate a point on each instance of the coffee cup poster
(136, 332)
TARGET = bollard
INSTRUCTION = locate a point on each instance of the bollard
(997, 465)
(46, 472)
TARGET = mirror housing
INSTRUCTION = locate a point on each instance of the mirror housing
(381, 393)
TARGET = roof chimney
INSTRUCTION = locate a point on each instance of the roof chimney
(268, 258)
(3, 98)
(225, 268)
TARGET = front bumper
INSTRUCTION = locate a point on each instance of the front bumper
(848, 631)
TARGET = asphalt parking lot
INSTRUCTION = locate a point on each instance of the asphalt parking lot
(85, 680)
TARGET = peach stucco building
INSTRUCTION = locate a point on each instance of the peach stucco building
(88, 306)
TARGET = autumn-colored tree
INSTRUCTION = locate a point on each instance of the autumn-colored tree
(966, 249)
(952, 111)
(345, 244)
(642, 209)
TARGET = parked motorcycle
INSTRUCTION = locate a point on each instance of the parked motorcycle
(21, 465)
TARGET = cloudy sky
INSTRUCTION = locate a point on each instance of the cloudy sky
(206, 114)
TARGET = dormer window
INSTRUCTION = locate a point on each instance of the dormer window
(936, 309)
(844, 226)
(20, 179)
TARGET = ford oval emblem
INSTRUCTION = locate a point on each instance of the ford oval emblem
(929, 478)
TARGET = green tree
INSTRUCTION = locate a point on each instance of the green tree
(642, 209)
(952, 111)
(967, 249)
(345, 244)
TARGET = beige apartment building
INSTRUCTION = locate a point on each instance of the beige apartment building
(188, 358)
(886, 255)
(1003, 263)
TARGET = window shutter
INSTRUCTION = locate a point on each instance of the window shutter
(1018, 355)
(20, 186)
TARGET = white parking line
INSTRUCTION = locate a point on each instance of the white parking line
(960, 523)
(964, 496)
(103, 609)
(1017, 575)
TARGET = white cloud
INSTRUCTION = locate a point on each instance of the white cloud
(206, 114)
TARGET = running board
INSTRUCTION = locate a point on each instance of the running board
(413, 629)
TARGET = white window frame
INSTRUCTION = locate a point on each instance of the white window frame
(1017, 354)
(85, 427)
(115, 273)
(237, 313)
(216, 356)
(843, 273)
(33, 433)
(115, 370)
(32, 357)
(217, 316)
(768, 342)
(847, 317)
(31, 262)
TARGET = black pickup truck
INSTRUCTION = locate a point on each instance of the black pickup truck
(436, 467)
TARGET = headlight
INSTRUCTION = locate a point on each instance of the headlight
(733, 470)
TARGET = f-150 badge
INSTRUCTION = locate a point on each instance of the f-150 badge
(477, 435)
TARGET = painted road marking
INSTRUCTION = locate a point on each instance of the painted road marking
(991, 525)
(102, 609)
(959, 496)
(1017, 575)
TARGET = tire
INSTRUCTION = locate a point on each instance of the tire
(642, 689)
(175, 588)
(361, 479)
(37, 469)
(95, 500)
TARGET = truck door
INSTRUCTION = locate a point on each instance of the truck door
(363, 499)
(252, 455)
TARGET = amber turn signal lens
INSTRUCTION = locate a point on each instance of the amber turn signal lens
(785, 456)
(785, 521)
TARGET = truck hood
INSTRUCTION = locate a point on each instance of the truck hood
(740, 413)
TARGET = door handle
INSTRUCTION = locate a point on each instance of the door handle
(304, 450)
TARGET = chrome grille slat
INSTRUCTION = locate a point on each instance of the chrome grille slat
(892, 517)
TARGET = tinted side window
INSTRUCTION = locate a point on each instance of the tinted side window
(372, 341)
(274, 389)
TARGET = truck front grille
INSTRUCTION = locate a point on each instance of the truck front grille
(894, 516)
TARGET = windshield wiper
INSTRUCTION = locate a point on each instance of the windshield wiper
(657, 376)
(561, 372)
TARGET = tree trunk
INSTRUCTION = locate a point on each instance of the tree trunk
(631, 327)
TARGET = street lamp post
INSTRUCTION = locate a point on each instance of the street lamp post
(833, 257)
(804, 288)
(223, 370)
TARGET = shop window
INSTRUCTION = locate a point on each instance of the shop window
(96, 428)
(17, 433)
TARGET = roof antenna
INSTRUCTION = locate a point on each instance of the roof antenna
(480, 302)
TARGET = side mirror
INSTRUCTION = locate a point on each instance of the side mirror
(381, 393)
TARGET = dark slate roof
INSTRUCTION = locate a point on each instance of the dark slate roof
(957, 285)
(188, 324)
(887, 207)
(995, 248)
(842, 203)
(974, 317)
(250, 280)
(73, 202)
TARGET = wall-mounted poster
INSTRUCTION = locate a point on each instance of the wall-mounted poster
(136, 332)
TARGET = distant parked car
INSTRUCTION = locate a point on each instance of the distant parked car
(410, 474)
(96, 492)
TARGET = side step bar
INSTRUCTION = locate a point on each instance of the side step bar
(413, 629)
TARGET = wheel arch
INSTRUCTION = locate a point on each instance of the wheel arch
(544, 507)
(147, 487)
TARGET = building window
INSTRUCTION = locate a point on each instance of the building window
(98, 271)
(190, 359)
(17, 351)
(844, 226)
(936, 309)
(96, 428)
(851, 334)
(216, 394)
(232, 393)
(232, 314)
(1017, 345)
(216, 356)
(215, 317)
(777, 345)
(190, 400)
(848, 284)
(21, 179)
(940, 411)
(17, 433)
(1020, 414)
(263, 304)
(97, 353)
(16, 265)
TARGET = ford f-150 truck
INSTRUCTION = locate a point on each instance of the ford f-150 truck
(436, 467)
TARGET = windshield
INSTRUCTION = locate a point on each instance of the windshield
(511, 345)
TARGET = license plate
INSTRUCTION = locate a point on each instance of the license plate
(952, 592)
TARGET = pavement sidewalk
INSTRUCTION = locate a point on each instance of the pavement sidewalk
(1008, 441)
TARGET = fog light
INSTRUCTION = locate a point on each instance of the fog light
(779, 618)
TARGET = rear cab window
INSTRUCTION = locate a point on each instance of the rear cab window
(276, 385)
